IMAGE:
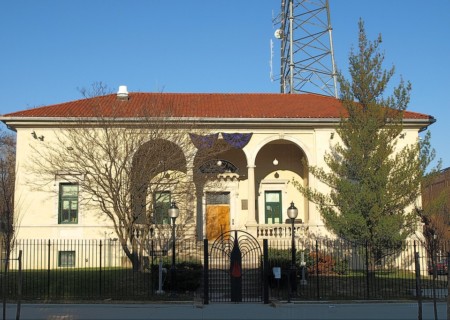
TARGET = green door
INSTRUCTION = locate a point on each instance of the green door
(272, 201)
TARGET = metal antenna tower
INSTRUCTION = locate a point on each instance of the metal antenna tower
(307, 58)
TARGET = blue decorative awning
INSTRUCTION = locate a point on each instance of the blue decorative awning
(237, 140)
(203, 142)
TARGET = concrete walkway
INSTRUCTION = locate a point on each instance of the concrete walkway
(363, 310)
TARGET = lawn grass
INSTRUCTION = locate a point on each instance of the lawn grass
(122, 284)
(357, 285)
(97, 284)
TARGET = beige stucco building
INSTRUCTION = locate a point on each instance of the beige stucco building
(271, 140)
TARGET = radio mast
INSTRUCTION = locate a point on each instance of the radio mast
(307, 58)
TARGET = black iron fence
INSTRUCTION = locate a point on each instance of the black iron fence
(64, 270)
(341, 270)
(97, 269)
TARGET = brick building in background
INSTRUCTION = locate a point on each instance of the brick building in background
(436, 201)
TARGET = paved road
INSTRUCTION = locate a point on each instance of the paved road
(225, 311)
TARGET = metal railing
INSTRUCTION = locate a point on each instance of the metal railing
(94, 269)
(66, 270)
(341, 270)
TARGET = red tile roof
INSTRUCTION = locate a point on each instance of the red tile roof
(196, 105)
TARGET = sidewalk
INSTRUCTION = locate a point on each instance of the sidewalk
(374, 310)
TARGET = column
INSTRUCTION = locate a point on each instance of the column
(251, 218)
(196, 203)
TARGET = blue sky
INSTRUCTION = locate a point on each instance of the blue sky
(52, 47)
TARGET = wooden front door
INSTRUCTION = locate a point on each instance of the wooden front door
(217, 214)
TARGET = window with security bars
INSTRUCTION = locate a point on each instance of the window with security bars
(66, 259)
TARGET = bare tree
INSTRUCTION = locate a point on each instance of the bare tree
(7, 183)
(97, 89)
(126, 170)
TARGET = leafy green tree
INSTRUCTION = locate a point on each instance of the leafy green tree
(373, 181)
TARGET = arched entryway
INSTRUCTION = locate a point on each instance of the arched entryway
(277, 163)
(217, 178)
(158, 177)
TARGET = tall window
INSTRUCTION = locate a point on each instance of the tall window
(161, 200)
(68, 203)
(273, 207)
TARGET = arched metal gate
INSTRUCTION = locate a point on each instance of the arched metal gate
(234, 271)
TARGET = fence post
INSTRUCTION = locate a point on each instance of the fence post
(367, 270)
(317, 270)
(266, 271)
(448, 284)
(19, 287)
(48, 270)
(4, 271)
(205, 272)
(418, 284)
(434, 265)
(100, 272)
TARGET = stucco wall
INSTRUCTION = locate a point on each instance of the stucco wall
(37, 203)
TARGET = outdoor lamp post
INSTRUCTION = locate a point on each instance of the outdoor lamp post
(173, 214)
(292, 213)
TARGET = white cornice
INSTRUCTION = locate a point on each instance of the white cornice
(17, 122)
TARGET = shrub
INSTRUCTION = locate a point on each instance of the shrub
(323, 263)
(341, 266)
(188, 276)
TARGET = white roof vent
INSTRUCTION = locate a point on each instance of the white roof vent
(122, 94)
